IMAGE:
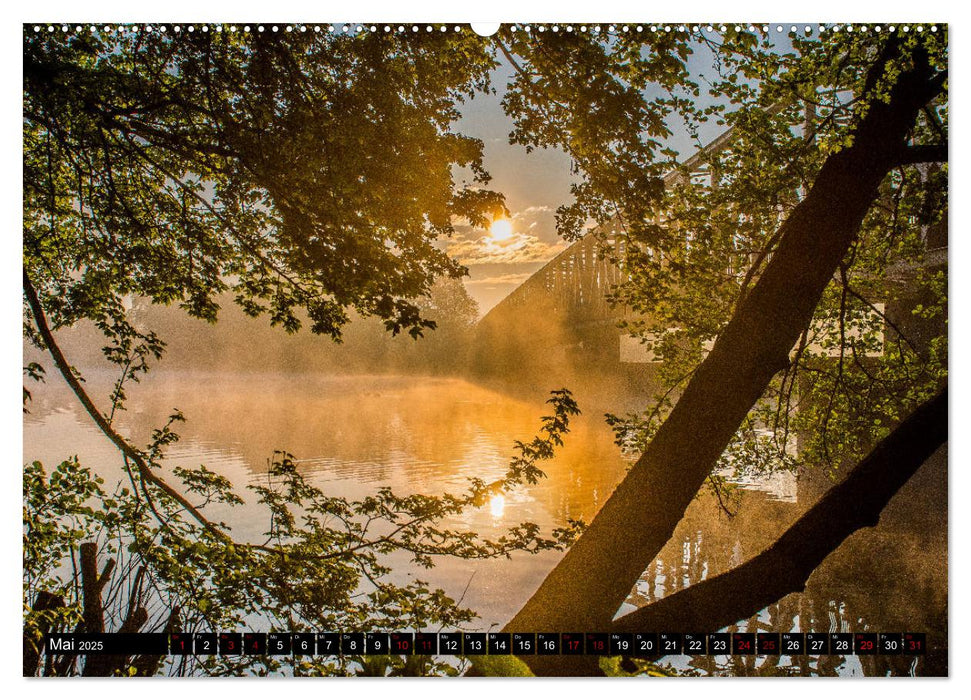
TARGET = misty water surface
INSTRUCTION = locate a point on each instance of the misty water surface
(353, 435)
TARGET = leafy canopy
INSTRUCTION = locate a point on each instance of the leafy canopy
(691, 247)
(313, 172)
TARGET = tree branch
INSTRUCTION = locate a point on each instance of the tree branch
(924, 153)
(642, 513)
(785, 567)
(146, 473)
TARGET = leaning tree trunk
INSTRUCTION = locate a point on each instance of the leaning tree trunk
(587, 587)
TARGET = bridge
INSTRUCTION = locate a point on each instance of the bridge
(561, 318)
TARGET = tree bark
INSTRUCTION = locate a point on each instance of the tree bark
(786, 566)
(135, 619)
(44, 602)
(586, 588)
(149, 665)
(923, 153)
(91, 585)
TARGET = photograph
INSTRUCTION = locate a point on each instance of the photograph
(437, 349)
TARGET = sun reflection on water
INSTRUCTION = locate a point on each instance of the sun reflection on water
(496, 505)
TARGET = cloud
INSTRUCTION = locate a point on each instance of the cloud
(518, 248)
(538, 220)
(533, 240)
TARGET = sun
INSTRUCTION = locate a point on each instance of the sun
(500, 230)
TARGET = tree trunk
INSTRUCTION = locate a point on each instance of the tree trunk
(44, 602)
(92, 584)
(149, 665)
(587, 587)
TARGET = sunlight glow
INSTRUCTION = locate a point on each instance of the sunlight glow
(497, 505)
(501, 229)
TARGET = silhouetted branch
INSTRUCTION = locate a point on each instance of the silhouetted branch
(930, 153)
(640, 516)
(786, 566)
(146, 473)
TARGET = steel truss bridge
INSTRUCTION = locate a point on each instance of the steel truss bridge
(561, 316)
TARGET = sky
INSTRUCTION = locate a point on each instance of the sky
(534, 185)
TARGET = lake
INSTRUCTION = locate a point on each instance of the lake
(353, 435)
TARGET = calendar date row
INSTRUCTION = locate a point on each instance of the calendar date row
(638, 644)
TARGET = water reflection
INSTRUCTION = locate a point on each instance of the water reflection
(352, 435)
(889, 579)
(497, 505)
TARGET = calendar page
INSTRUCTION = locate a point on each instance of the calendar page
(606, 349)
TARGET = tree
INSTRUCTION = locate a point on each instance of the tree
(308, 176)
(322, 564)
(313, 172)
(796, 225)
(179, 167)
(175, 167)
